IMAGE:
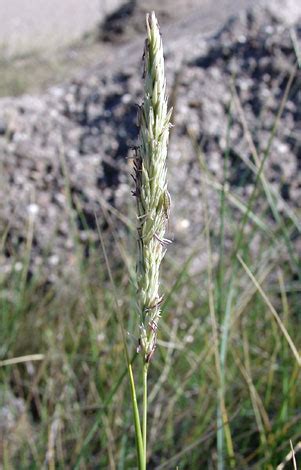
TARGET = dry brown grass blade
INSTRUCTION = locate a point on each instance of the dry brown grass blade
(293, 456)
(19, 360)
(290, 456)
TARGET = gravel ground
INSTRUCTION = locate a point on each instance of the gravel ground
(88, 126)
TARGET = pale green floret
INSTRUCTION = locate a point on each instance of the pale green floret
(153, 200)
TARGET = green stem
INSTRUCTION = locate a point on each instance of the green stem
(138, 434)
(144, 417)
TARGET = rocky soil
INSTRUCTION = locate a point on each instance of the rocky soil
(66, 154)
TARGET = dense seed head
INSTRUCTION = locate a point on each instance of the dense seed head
(153, 200)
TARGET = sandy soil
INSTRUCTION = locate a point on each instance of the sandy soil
(42, 24)
(27, 25)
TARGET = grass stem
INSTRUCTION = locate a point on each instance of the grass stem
(144, 417)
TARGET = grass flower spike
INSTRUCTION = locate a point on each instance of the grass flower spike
(153, 200)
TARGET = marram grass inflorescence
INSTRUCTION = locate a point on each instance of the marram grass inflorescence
(153, 200)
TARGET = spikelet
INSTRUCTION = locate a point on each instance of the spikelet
(153, 200)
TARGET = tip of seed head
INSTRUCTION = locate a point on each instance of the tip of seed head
(151, 19)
